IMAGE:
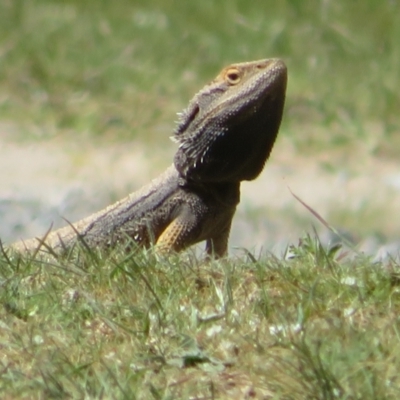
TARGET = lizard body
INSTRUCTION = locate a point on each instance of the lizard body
(225, 136)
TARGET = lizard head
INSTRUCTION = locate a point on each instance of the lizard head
(227, 132)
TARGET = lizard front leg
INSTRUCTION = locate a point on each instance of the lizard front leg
(179, 234)
(217, 245)
(194, 225)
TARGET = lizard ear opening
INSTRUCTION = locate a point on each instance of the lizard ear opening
(187, 117)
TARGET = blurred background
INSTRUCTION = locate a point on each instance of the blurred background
(89, 93)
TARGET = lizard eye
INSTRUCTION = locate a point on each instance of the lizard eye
(233, 76)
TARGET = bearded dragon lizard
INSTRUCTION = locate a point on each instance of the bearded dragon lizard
(225, 136)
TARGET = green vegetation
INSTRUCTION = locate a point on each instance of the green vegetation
(316, 326)
(123, 69)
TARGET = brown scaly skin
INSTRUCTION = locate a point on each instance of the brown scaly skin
(225, 136)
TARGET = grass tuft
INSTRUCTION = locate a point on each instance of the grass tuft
(316, 325)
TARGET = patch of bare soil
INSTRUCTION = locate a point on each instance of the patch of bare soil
(44, 183)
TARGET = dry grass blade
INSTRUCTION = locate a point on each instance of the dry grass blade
(325, 223)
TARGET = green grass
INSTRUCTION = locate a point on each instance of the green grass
(123, 69)
(317, 326)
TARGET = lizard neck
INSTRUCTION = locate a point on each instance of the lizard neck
(225, 193)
